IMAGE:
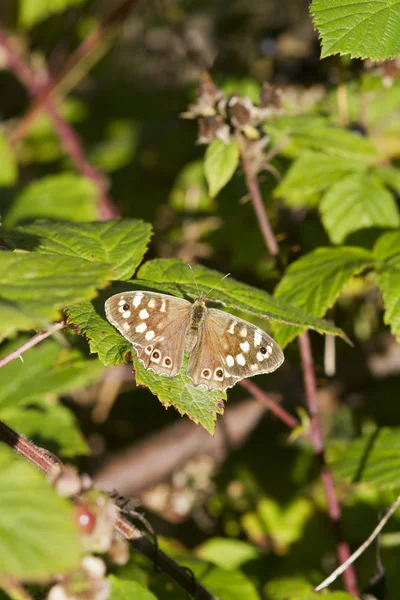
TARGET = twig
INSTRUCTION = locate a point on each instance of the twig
(46, 464)
(67, 135)
(39, 337)
(361, 549)
(278, 411)
(334, 511)
(13, 588)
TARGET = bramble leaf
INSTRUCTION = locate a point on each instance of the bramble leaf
(123, 589)
(32, 11)
(387, 251)
(220, 163)
(8, 169)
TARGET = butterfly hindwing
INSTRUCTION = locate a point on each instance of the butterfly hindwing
(230, 349)
(155, 324)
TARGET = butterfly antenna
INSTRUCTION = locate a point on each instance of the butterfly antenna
(217, 284)
(194, 279)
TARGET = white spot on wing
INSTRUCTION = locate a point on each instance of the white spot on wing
(257, 338)
(151, 303)
(121, 302)
(149, 335)
(260, 356)
(232, 327)
(253, 367)
(141, 328)
(230, 360)
(245, 346)
(144, 314)
(126, 326)
(240, 359)
(163, 305)
(243, 332)
(137, 300)
(126, 314)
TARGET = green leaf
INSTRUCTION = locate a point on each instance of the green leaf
(324, 594)
(118, 243)
(32, 11)
(174, 277)
(387, 251)
(357, 202)
(66, 197)
(373, 459)
(34, 524)
(28, 391)
(311, 174)
(190, 193)
(220, 163)
(300, 132)
(199, 404)
(227, 553)
(8, 168)
(362, 29)
(35, 287)
(122, 589)
(390, 176)
(314, 281)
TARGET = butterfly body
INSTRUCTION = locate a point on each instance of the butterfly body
(222, 348)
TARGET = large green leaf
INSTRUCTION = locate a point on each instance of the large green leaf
(220, 164)
(174, 277)
(374, 459)
(122, 589)
(311, 174)
(8, 165)
(119, 243)
(387, 251)
(199, 404)
(35, 287)
(359, 28)
(32, 11)
(357, 202)
(314, 281)
(65, 196)
(227, 553)
(309, 132)
(35, 523)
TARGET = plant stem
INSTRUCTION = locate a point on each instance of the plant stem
(278, 411)
(334, 511)
(46, 464)
(39, 337)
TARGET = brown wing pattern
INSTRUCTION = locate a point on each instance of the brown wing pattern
(231, 349)
(155, 324)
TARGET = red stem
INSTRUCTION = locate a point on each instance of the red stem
(278, 411)
(30, 343)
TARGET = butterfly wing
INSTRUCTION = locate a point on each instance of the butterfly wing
(155, 324)
(230, 349)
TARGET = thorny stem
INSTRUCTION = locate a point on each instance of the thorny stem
(68, 136)
(278, 411)
(47, 464)
(343, 550)
(334, 511)
(39, 337)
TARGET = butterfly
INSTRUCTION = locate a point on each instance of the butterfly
(222, 348)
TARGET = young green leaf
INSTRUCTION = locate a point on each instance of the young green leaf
(325, 595)
(373, 459)
(387, 251)
(221, 161)
(311, 174)
(65, 196)
(357, 202)
(362, 29)
(35, 287)
(309, 132)
(314, 281)
(227, 553)
(8, 170)
(35, 523)
(123, 589)
(174, 277)
(118, 243)
(32, 11)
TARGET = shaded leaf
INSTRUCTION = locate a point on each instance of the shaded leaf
(357, 202)
(362, 29)
(65, 196)
(8, 169)
(227, 553)
(35, 287)
(32, 11)
(311, 174)
(374, 459)
(122, 589)
(118, 243)
(387, 251)
(314, 281)
(220, 163)
(35, 525)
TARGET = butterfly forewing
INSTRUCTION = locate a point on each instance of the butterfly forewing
(230, 349)
(155, 324)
